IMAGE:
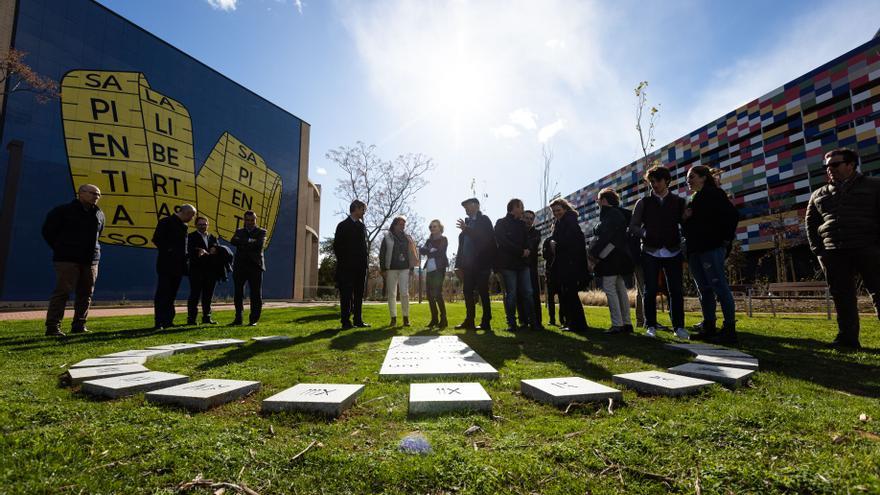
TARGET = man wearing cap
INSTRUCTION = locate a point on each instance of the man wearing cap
(476, 249)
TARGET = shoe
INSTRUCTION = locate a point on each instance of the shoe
(651, 332)
(347, 326)
(252, 324)
(682, 334)
(81, 329)
(432, 324)
(406, 321)
(511, 329)
(209, 321)
(362, 325)
(55, 332)
(442, 324)
(191, 323)
(553, 323)
(236, 323)
(393, 322)
(617, 330)
(466, 325)
(838, 344)
(485, 326)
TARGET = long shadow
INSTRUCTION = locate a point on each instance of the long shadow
(316, 317)
(351, 339)
(92, 337)
(243, 353)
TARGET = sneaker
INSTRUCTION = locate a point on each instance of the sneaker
(682, 334)
(651, 332)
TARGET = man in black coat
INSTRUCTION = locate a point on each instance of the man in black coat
(170, 240)
(248, 267)
(201, 249)
(476, 250)
(72, 231)
(351, 249)
(512, 238)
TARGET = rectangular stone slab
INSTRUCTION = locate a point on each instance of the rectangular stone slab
(89, 363)
(120, 386)
(75, 376)
(436, 398)
(732, 362)
(329, 399)
(219, 343)
(731, 377)
(563, 391)
(146, 353)
(661, 383)
(691, 348)
(729, 353)
(271, 339)
(433, 357)
(202, 395)
(178, 348)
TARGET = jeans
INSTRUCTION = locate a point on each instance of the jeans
(476, 280)
(536, 300)
(395, 279)
(618, 299)
(518, 284)
(672, 268)
(841, 267)
(71, 277)
(434, 288)
(707, 269)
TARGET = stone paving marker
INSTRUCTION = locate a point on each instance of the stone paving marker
(146, 353)
(271, 339)
(731, 362)
(75, 376)
(435, 398)
(563, 391)
(202, 395)
(120, 386)
(432, 357)
(330, 399)
(178, 348)
(88, 363)
(692, 348)
(220, 343)
(661, 383)
(728, 353)
(731, 377)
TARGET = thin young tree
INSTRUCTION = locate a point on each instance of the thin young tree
(548, 185)
(646, 120)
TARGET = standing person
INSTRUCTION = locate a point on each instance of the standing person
(657, 219)
(200, 246)
(551, 284)
(534, 244)
(570, 264)
(843, 228)
(351, 248)
(610, 254)
(72, 231)
(436, 265)
(511, 236)
(395, 262)
(709, 228)
(170, 240)
(476, 250)
(248, 267)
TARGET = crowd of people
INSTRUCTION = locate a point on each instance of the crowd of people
(643, 248)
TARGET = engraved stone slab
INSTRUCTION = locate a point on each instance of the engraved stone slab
(661, 383)
(330, 399)
(120, 386)
(202, 395)
(732, 377)
(178, 348)
(431, 357)
(271, 339)
(692, 348)
(76, 376)
(88, 363)
(147, 353)
(217, 344)
(731, 362)
(435, 398)
(729, 353)
(563, 391)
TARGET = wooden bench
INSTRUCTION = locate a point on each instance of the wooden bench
(794, 290)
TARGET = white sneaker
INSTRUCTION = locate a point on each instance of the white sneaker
(682, 334)
(651, 332)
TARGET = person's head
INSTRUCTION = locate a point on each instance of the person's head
(659, 178)
(250, 220)
(202, 224)
(841, 163)
(186, 212)
(398, 224)
(357, 208)
(515, 207)
(559, 206)
(608, 197)
(529, 217)
(471, 206)
(88, 194)
(435, 227)
(700, 176)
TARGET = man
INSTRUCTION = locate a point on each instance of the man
(170, 240)
(72, 231)
(843, 229)
(511, 236)
(201, 248)
(248, 267)
(657, 220)
(476, 250)
(352, 258)
(534, 243)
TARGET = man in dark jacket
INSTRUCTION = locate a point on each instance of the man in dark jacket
(72, 231)
(201, 249)
(534, 245)
(248, 267)
(476, 250)
(170, 240)
(351, 248)
(843, 229)
(511, 236)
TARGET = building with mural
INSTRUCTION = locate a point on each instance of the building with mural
(153, 128)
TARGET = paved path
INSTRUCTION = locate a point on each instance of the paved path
(40, 314)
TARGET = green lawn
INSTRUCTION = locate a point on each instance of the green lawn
(797, 429)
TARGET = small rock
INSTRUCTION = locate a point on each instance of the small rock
(473, 430)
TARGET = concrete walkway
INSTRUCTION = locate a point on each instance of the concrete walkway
(96, 312)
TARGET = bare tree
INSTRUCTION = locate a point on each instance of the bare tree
(646, 134)
(22, 78)
(547, 190)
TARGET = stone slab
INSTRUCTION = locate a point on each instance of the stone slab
(563, 391)
(433, 357)
(436, 398)
(120, 386)
(180, 347)
(202, 395)
(730, 353)
(731, 377)
(691, 348)
(88, 363)
(146, 353)
(731, 362)
(661, 383)
(329, 399)
(220, 343)
(271, 339)
(75, 376)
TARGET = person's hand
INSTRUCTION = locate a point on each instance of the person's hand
(526, 253)
(687, 213)
(200, 252)
(432, 250)
(460, 224)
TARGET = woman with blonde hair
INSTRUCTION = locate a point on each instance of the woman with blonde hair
(435, 249)
(396, 258)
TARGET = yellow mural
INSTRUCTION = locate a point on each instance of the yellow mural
(136, 145)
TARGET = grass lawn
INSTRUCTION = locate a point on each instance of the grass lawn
(797, 429)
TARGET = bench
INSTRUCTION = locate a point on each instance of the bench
(794, 290)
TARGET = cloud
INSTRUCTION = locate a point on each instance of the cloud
(525, 118)
(505, 131)
(299, 6)
(321, 171)
(223, 4)
(555, 43)
(550, 130)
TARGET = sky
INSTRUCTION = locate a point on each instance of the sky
(482, 86)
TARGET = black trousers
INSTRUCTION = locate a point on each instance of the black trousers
(841, 267)
(672, 268)
(552, 295)
(253, 277)
(166, 293)
(536, 300)
(476, 280)
(351, 298)
(434, 286)
(570, 305)
(201, 289)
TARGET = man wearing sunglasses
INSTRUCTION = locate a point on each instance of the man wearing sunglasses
(843, 228)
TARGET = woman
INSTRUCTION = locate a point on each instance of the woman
(395, 261)
(570, 263)
(709, 223)
(435, 250)
(610, 255)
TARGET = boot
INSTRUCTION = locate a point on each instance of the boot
(704, 331)
(406, 321)
(727, 335)
(393, 322)
(443, 323)
(433, 323)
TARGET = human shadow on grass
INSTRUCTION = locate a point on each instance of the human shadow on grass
(93, 336)
(316, 317)
(243, 353)
(353, 338)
